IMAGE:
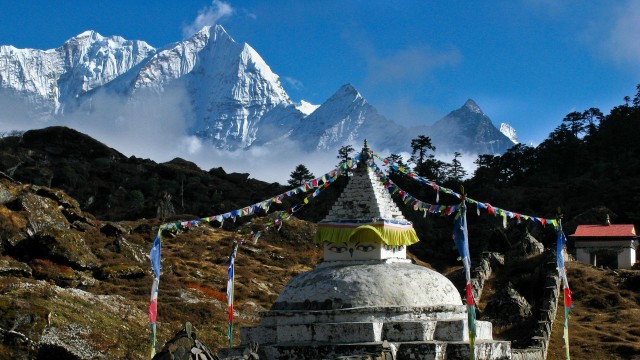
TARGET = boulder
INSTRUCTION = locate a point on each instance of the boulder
(5, 195)
(185, 346)
(507, 306)
(67, 247)
(9, 266)
(527, 246)
(121, 272)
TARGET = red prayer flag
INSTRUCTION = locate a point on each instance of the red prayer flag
(470, 295)
(568, 302)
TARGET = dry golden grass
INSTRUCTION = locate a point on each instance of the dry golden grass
(605, 320)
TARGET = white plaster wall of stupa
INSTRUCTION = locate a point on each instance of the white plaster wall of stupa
(379, 284)
(357, 201)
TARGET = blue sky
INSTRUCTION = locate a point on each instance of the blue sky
(525, 62)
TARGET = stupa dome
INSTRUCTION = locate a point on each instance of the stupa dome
(386, 284)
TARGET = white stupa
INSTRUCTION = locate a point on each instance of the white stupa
(366, 297)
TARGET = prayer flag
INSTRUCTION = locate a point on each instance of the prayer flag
(154, 256)
(461, 239)
(230, 281)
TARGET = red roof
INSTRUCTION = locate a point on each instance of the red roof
(621, 230)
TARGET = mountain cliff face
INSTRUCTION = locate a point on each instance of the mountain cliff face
(347, 118)
(230, 87)
(508, 131)
(467, 129)
(227, 94)
(48, 79)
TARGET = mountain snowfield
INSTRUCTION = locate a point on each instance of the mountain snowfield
(221, 91)
(509, 132)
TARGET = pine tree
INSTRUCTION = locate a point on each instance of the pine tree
(300, 175)
(344, 153)
(419, 148)
(455, 171)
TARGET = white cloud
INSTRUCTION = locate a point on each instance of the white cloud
(622, 42)
(157, 127)
(208, 16)
(410, 64)
(295, 83)
(407, 110)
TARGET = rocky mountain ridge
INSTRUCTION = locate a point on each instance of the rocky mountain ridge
(113, 186)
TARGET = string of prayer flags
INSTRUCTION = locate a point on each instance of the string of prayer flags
(410, 200)
(318, 184)
(480, 205)
(461, 239)
(154, 256)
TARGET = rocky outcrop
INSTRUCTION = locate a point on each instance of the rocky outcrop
(507, 306)
(527, 246)
(39, 223)
(185, 346)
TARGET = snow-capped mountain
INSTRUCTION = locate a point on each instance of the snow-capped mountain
(227, 93)
(229, 86)
(48, 79)
(467, 129)
(508, 131)
(347, 118)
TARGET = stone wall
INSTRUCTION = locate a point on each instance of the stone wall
(548, 309)
(540, 340)
(481, 273)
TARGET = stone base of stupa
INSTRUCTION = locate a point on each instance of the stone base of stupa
(401, 337)
(365, 308)
(418, 350)
(439, 332)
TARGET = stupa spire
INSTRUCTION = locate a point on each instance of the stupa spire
(365, 214)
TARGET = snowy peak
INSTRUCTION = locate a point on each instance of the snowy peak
(229, 86)
(472, 106)
(347, 118)
(509, 132)
(224, 90)
(468, 129)
(47, 79)
(346, 91)
(306, 108)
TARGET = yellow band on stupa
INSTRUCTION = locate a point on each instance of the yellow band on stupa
(389, 233)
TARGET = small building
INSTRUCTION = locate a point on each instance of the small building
(608, 245)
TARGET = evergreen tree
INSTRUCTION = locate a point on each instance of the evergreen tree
(300, 175)
(592, 116)
(456, 172)
(486, 168)
(396, 159)
(344, 153)
(419, 149)
(435, 169)
(576, 122)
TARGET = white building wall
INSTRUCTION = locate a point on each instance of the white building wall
(583, 256)
(627, 258)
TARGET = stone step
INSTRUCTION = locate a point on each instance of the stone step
(418, 350)
(258, 334)
(357, 332)
(408, 330)
(349, 332)
(457, 330)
